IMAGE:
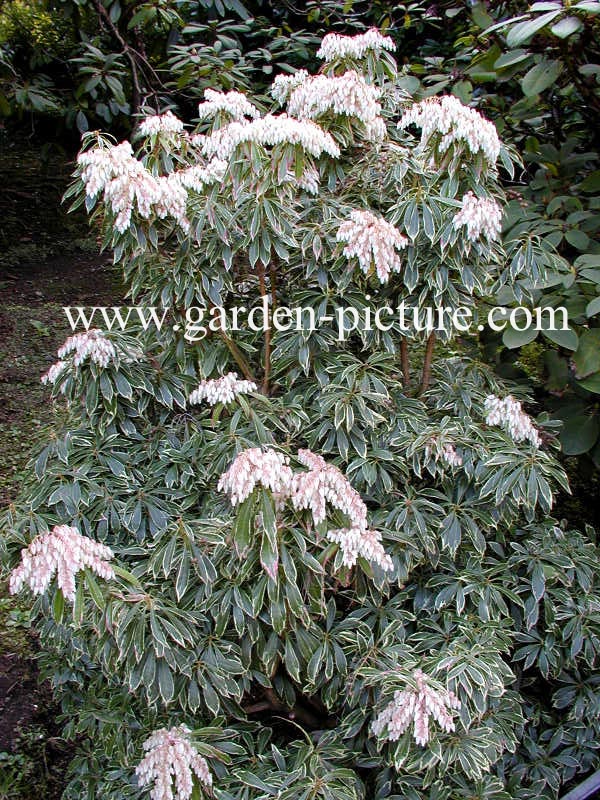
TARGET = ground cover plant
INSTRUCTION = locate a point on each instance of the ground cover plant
(308, 563)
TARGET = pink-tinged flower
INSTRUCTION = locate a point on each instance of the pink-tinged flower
(480, 215)
(324, 483)
(509, 414)
(444, 451)
(221, 390)
(255, 467)
(63, 552)
(54, 372)
(336, 46)
(374, 242)
(170, 763)
(415, 705)
(454, 123)
(91, 344)
(361, 542)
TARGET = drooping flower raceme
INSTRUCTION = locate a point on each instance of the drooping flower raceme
(361, 542)
(444, 451)
(170, 763)
(451, 457)
(454, 123)
(54, 372)
(253, 467)
(348, 94)
(125, 181)
(324, 483)
(62, 551)
(416, 705)
(269, 131)
(480, 215)
(91, 344)
(373, 241)
(128, 185)
(235, 104)
(221, 390)
(161, 123)
(336, 46)
(509, 414)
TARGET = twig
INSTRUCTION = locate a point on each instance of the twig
(137, 93)
(263, 293)
(426, 375)
(405, 363)
(237, 355)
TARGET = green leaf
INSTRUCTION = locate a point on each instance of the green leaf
(510, 58)
(513, 338)
(579, 239)
(523, 31)
(243, 527)
(567, 26)
(593, 307)
(567, 339)
(591, 183)
(592, 383)
(579, 434)
(587, 355)
(166, 686)
(540, 77)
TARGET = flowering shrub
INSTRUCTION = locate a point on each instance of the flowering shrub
(335, 576)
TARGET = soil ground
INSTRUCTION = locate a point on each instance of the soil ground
(47, 259)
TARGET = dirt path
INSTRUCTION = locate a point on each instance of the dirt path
(48, 259)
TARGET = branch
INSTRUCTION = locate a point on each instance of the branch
(405, 363)
(263, 293)
(426, 375)
(238, 356)
(127, 50)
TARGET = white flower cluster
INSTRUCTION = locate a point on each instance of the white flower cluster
(127, 184)
(348, 94)
(269, 131)
(451, 457)
(336, 46)
(312, 490)
(235, 104)
(373, 241)
(284, 85)
(416, 705)
(161, 123)
(454, 122)
(356, 542)
(91, 344)
(54, 372)
(197, 177)
(446, 451)
(481, 215)
(325, 483)
(509, 414)
(62, 551)
(172, 759)
(255, 466)
(221, 390)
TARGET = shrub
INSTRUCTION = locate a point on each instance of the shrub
(333, 573)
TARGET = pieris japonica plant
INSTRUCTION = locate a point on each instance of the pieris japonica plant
(308, 560)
